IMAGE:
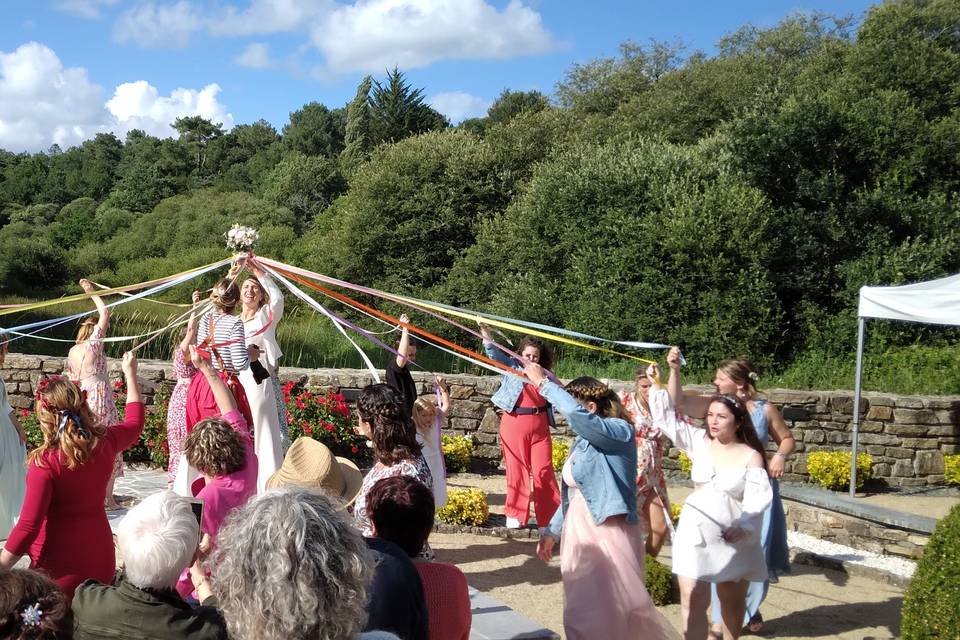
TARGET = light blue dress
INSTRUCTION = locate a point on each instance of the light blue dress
(773, 533)
(13, 468)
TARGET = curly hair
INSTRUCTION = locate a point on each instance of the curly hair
(402, 511)
(546, 353)
(66, 422)
(225, 295)
(742, 371)
(589, 389)
(394, 434)
(746, 432)
(21, 589)
(290, 565)
(214, 448)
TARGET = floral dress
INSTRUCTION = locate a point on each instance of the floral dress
(414, 467)
(96, 386)
(650, 475)
(184, 371)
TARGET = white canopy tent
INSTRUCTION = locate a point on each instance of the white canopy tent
(932, 302)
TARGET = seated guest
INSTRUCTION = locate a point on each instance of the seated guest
(290, 565)
(157, 539)
(221, 450)
(401, 509)
(33, 607)
(395, 601)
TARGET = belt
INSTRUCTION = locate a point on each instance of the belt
(529, 411)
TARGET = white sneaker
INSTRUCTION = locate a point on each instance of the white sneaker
(512, 523)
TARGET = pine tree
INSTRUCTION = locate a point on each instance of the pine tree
(357, 138)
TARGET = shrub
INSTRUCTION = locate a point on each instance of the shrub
(154, 436)
(675, 509)
(831, 469)
(659, 582)
(31, 427)
(561, 449)
(325, 417)
(686, 464)
(951, 469)
(457, 451)
(933, 598)
(465, 506)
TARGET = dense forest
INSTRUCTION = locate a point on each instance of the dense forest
(730, 203)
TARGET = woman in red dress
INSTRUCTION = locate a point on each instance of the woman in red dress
(63, 526)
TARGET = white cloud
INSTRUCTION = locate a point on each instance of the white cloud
(255, 56)
(268, 16)
(42, 103)
(138, 105)
(373, 35)
(459, 105)
(84, 8)
(148, 25)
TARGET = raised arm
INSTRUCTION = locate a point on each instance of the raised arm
(681, 433)
(444, 394)
(104, 322)
(273, 291)
(190, 337)
(673, 382)
(404, 341)
(494, 353)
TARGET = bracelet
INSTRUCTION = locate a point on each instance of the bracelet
(782, 455)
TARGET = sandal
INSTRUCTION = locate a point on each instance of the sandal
(756, 623)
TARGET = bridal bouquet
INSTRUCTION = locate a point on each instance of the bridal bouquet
(241, 239)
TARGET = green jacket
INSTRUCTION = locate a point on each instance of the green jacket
(126, 612)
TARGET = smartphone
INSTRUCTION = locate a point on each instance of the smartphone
(196, 505)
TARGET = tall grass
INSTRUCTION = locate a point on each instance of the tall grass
(310, 340)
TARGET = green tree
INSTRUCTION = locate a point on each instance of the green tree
(197, 132)
(315, 130)
(304, 184)
(358, 136)
(510, 104)
(74, 224)
(397, 110)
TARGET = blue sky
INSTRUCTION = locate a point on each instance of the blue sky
(72, 68)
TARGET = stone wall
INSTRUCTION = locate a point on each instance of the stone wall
(907, 436)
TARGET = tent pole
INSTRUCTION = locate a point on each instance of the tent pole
(856, 408)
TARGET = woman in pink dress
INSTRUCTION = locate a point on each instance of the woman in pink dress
(184, 371)
(87, 366)
(601, 555)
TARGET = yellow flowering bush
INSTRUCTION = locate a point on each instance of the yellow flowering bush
(831, 469)
(465, 506)
(951, 469)
(686, 464)
(457, 451)
(675, 508)
(561, 449)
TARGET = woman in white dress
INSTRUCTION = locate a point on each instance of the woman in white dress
(718, 538)
(13, 458)
(261, 309)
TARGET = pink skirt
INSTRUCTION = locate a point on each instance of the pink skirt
(201, 403)
(603, 579)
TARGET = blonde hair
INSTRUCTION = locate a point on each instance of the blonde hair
(424, 413)
(743, 372)
(590, 389)
(225, 295)
(85, 330)
(67, 423)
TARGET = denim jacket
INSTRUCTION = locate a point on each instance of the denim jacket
(511, 387)
(604, 463)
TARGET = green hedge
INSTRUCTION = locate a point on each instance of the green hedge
(931, 608)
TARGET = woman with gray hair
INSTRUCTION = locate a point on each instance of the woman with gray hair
(157, 540)
(290, 565)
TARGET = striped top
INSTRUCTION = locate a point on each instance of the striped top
(226, 328)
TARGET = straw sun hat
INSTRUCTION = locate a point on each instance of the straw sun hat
(311, 464)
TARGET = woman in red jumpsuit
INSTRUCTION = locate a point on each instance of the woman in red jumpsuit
(63, 526)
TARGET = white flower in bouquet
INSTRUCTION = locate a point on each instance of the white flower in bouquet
(241, 238)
